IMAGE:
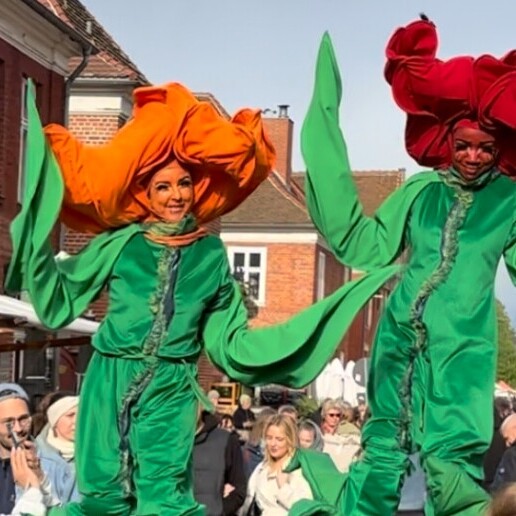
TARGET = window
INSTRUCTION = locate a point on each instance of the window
(249, 265)
(321, 273)
(24, 127)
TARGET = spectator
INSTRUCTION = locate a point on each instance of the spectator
(310, 436)
(347, 425)
(253, 449)
(288, 410)
(219, 480)
(331, 414)
(226, 422)
(56, 445)
(214, 397)
(506, 471)
(504, 501)
(35, 497)
(362, 413)
(342, 449)
(496, 449)
(15, 419)
(271, 489)
(244, 416)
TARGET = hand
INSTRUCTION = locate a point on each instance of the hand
(31, 454)
(228, 489)
(23, 474)
(248, 424)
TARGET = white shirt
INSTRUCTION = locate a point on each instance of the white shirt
(271, 499)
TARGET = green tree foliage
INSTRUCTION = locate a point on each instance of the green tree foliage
(506, 347)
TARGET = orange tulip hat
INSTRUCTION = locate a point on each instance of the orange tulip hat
(106, 185)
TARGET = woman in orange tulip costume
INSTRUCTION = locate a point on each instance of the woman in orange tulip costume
(175, 166)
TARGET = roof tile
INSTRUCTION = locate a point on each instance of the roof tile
(111, 62)
(273, 204)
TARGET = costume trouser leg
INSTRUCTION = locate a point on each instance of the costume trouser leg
(374, 483)
(445, 394)
(458, 426)
(160, 428)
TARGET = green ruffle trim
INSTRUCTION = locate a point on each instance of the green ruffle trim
(449, 250)
(159, 305)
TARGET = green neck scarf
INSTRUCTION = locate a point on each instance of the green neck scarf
(453, 178)
(186, 225)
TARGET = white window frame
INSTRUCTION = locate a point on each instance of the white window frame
(321, 275)
(24, 129)
(247, 269)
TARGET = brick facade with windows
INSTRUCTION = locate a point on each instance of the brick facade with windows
(37, 46)
(300, 268)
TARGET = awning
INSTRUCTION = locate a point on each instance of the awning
(16, 308)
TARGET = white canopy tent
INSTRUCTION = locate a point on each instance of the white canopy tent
(25, 311)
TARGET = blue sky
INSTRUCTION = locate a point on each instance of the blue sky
(262, 53)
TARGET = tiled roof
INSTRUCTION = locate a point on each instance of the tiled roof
(208, 97)
(374, 186)
(272, 204)
(111, 62)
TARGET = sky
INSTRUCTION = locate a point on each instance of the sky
(262, 54)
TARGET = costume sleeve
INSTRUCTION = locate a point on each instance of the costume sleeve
(234, 475)
(510, 254)
(357, 240)
(59, 290)
(292, 353)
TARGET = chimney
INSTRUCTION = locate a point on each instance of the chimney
(280, 130)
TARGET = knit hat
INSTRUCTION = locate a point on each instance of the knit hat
(12, 390)
(59, 408)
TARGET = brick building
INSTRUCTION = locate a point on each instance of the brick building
(36, 45)
(274, 247)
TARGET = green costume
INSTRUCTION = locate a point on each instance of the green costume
(138, 401)
(433, 363)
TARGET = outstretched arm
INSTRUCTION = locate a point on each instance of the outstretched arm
(292, 353)
(357, 240)
(59, 291)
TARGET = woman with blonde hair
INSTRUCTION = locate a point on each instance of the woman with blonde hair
(271, 490)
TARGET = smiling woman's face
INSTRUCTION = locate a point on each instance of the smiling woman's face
(171, 193)
(474, 152)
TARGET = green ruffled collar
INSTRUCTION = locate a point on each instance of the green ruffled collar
(186, 225)
(453, 178)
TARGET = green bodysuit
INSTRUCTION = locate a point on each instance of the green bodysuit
(139, 399)
(434, 357)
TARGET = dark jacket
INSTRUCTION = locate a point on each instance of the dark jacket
(7, 487)
(253, 455)
(242, 416)
(506, 471)
(217, 460)
(495, 452)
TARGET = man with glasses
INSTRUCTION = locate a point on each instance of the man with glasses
(15, 420)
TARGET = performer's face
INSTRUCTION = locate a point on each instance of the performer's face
(474, 152)
(171, 192)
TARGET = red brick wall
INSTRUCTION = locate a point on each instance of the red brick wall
(14, 66)
(280, 132)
